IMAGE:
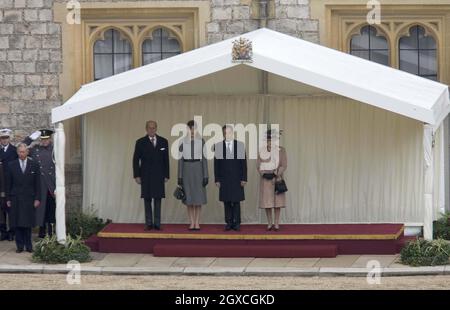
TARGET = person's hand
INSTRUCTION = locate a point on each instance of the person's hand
(166, 180)
(205, 182)
(138, 180)
(8, 204)
(243, 183)
(180, 181)
(35, 135)
(218, 184)
(37, 203)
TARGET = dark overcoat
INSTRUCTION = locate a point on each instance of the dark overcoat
(43, 155)
(151, 164)
(9, 155)
(229, 171)
(22, 189)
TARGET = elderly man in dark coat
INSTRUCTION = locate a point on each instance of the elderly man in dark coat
(42, 153)
(151, 171)
(8, 153)
(230, 173)
(22, 196)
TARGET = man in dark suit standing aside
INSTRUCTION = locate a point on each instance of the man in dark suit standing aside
(8, 153)
(230, 173)
(23, 191)
(151, 171)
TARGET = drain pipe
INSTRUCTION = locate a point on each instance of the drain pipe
(263, 13)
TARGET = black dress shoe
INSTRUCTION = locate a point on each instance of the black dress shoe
(19, 250)
(157, 227)
(227, 228)
(148, 227)
(29, 250)
(10, 237)
(236, 228)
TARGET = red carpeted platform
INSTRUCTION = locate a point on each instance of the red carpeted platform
(293, 240)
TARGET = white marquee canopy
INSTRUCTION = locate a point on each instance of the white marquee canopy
(292, 58)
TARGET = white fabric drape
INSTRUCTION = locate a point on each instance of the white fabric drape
(347, 161)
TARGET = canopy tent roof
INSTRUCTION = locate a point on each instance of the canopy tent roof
(299, 60)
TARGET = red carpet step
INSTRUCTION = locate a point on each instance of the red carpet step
(293, 240)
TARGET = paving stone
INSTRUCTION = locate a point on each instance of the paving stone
(193, 262)
(231, 262)
(303, 262)
(119, 260)
(270, 262)
(214, 270)
(11, 268)
(383, 260)
(281, 271)
(142, 270)
(338, 261)
(152, 261)
(414, 271)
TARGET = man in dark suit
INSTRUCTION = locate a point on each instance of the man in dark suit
(42, 153)
(151, 171)
(230, 173)
(23, 190)
(8, 153)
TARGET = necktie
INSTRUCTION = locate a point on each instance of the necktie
(22, 164)
(229, 147)
(152, 140)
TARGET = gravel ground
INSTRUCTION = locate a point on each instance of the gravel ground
(58, 281)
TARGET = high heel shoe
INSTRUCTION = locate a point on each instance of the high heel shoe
(269, 227)
(275, 228)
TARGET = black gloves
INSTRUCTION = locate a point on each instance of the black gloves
(205, 182)
(180, 181)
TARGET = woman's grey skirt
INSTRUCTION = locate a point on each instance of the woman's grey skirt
(193, 183)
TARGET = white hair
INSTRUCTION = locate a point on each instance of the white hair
(21, 145)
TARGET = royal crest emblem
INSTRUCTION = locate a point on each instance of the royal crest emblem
(242, 50)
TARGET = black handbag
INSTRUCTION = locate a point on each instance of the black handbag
(280, 187)
(268, 176)
(179, 193)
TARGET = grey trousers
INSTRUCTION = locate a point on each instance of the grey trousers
(152, 218)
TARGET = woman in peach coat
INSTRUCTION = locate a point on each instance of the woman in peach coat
(271, 169)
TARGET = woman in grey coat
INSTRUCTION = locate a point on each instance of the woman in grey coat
(193, 174)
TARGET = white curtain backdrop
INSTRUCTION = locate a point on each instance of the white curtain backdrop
(350, 162)
(347, 161)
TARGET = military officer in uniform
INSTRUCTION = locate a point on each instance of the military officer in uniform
(8, 153)
(42, 154)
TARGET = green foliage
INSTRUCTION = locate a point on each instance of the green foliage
(49, 250)
(425, 253)
(83, 224)
(441, 227)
